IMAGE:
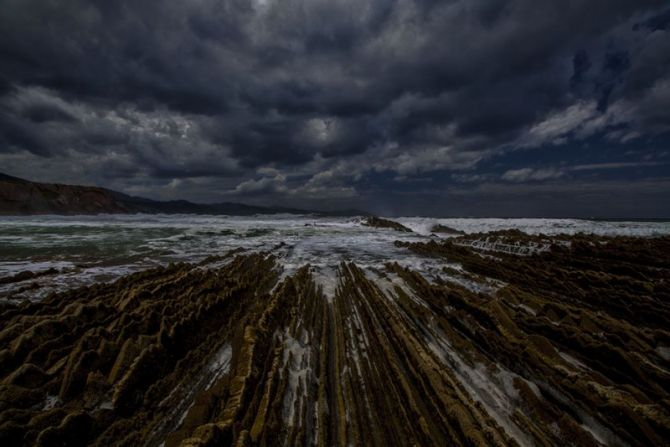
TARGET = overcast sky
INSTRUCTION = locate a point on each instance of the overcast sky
(461, 107)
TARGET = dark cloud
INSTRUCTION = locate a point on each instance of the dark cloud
(295, 99)
(655, 22)
(14, 135)
(43, 113)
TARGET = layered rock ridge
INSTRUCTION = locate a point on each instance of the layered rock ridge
(565, 343)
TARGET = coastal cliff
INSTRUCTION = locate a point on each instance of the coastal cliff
(23, 197)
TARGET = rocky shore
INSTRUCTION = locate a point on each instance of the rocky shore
(519, 340)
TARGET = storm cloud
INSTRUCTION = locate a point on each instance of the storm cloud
(442, 107)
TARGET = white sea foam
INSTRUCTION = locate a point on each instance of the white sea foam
(423, 225)
(88, 249)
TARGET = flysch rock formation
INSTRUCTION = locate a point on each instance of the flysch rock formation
(564, 346)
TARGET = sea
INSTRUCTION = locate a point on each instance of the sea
(88, 249)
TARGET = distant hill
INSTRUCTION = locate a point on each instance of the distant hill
(23, 197)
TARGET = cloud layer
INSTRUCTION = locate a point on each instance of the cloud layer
(338, 102)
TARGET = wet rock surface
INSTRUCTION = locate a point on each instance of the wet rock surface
(378, 222)
(443, 229)
(566, 343)
(26, 275)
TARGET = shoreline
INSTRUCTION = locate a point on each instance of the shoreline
(498, 348)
